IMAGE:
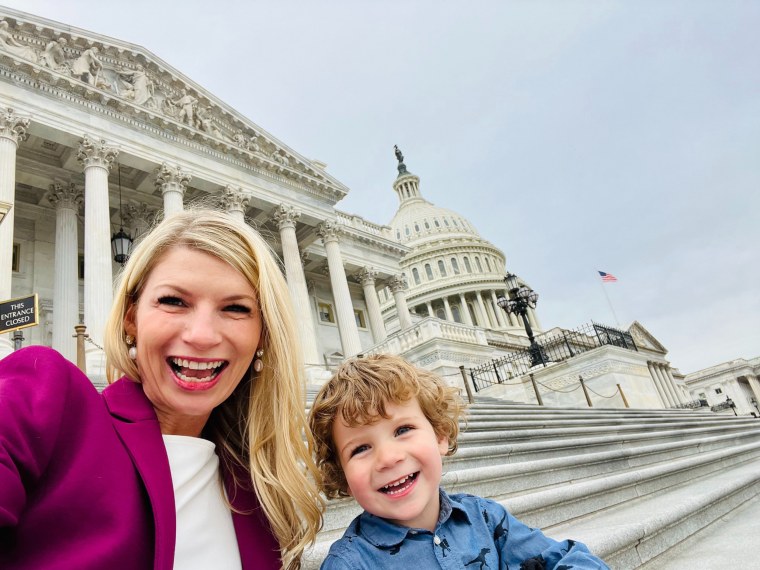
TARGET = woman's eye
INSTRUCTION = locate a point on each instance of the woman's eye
(237, 309)
(170, 300)
(359, 449)
(403, 429)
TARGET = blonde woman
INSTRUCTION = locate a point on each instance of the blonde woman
(195, 457)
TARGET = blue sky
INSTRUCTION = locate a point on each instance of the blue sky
(575, 135)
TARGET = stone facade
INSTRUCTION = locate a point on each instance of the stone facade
(98, 134)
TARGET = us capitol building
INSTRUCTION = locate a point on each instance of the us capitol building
(99, 136)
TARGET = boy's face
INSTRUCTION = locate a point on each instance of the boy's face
(393, 466)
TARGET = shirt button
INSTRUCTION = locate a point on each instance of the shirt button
(437, 540)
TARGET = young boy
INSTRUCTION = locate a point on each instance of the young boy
(382, 427)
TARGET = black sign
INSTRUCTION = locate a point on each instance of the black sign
(18, 313)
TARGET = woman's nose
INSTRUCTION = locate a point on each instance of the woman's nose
(201, 329)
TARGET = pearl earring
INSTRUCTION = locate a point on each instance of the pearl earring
(132, 352)
(258, 364)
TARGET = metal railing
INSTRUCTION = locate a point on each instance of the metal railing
(556, 348)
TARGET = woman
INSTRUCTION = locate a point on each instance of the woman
(203, 331)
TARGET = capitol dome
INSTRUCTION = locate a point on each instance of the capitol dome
(452, 273)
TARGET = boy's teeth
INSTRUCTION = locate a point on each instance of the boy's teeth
(397, 483)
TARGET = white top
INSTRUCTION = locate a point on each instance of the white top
(205, 533)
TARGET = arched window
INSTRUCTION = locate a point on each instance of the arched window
(477, 262)
(435, 221)
(398, 234)
(416, 227)
(446, 222)
(440, 313)
(456, 314)
(455, 265)
(456, 225)
(427, 225)
(488, 264)
(441, 268)
(467, 266)
(406, 230)
(429, 272)
(416, 275)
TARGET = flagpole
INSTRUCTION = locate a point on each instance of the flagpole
(606, 296)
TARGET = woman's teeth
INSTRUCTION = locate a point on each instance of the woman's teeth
(189, 370)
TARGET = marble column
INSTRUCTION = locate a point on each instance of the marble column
(483, 312)
(663, 382)
(172, 181)
(429, 306)
(286, 217)
(367, 278)
(754, 385)
(447, 309)
(532, 318)
(656, 382)
(96, 156)
(500, 314)
(67, 199)
(678, 392)
(398, 287)
(12, 132)
(236, 202)
(465, 310)
(669, 385)
(349, 333)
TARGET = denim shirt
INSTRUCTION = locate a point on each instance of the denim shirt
(472, 533)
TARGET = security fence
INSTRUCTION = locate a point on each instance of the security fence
(553, 348)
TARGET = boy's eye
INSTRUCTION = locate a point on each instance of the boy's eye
(359, 449)
(404, 429)
(170, 300)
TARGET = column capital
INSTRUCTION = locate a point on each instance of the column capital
(329, 231)
(96, 153)
(367, 275)
(397, 283)
(13, 127)
(285, 216)
(234, 199)
(167, 176)
(139, 213)
(63, 195)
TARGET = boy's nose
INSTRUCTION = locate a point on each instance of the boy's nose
(388, 455)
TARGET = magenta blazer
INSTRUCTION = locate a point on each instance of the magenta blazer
(84, 477)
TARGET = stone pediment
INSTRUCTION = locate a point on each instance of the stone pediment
(644, 339)
(126, 80)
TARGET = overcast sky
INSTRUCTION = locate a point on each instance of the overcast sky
(575, 135)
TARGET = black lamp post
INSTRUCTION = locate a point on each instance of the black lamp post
(121, 241)
(521, 298)
(731, 405)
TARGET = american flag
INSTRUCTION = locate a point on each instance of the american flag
(607, 277)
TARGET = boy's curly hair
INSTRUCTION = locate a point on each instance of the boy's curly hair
(358, 393)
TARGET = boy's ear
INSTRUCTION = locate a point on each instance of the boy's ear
(443, 445)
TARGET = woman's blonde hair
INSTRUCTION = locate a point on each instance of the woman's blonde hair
(262, 425)
(358, 393)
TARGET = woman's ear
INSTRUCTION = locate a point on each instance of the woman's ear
(130, 326)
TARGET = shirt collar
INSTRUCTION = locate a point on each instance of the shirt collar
(384, 534)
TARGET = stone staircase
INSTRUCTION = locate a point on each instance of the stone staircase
(631, 484)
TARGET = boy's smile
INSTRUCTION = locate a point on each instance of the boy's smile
(393, 466)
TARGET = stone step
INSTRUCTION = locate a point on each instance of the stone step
(571, 500)
(709, 522)
(642, 448)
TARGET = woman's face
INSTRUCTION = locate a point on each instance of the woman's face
(197, 325)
